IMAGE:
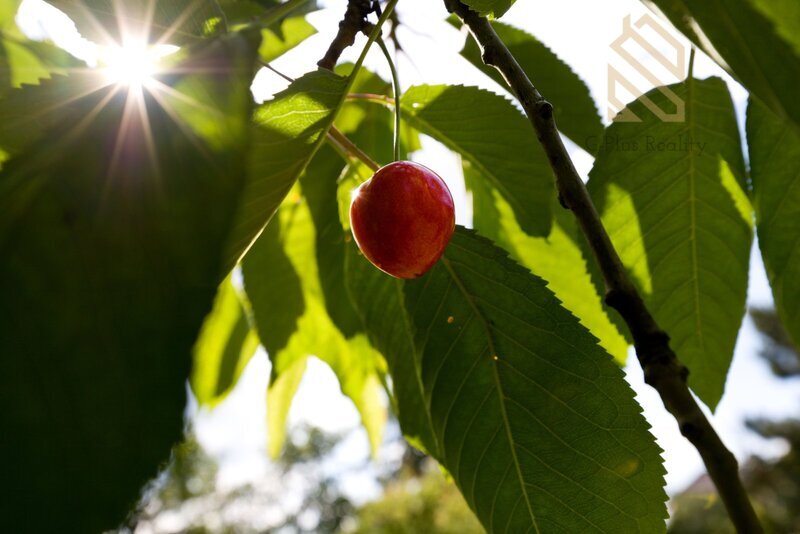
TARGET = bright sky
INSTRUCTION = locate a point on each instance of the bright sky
(580, 31)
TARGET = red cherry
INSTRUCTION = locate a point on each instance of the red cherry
(402, 218)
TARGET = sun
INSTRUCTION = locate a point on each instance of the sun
(134, 63)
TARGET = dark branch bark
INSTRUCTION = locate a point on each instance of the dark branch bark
(354, 21)
(662, 369)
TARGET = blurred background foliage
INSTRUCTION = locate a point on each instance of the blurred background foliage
(418, 497)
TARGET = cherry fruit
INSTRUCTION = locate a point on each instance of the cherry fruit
(402, 218)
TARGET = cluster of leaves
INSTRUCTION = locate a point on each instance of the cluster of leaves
(122, 214)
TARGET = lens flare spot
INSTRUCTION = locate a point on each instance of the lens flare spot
(133, 64)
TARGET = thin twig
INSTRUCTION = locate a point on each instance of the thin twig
(353, 22)
(662, 369)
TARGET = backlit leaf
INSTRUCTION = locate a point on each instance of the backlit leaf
(320, 189)
(116, 22)
(224, 348)
(23, 61)
(573, 106)
(267, 12)
(288, 131)
(774, 146)
(785, 15)
(356, 364)
(671, 195)
(288, 34)
(495, 137)
(557, 258)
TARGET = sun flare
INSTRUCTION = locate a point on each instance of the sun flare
(134, 63)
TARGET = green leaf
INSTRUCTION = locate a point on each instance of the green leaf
(381, 305)
(289, 33)
(19, 62)
(289, 130)
(494, 8)
(283, 386)
(274, 287)
(31, 111)
(108, 22)
(111, 260)
(573, 105)
(241, 11)
(319, 187)
(23, 61)
(278, 10)
(353, 360)
(7, 13)
(557, 258)
(785, 16)
(224, 348)
(266, 12)
(355, 174)
(678, 215)
(535, 421)
(747, 44)
(774, 146)
(490, 133)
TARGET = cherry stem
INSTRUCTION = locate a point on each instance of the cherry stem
(396, 90)
(350, 148)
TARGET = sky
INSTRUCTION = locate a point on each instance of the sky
(580, 32)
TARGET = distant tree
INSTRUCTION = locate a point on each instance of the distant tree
(186, 497)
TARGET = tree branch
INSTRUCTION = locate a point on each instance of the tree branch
(662, 369)
(354, 21)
